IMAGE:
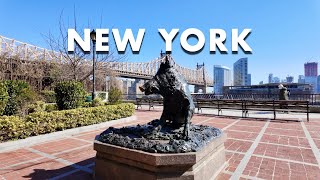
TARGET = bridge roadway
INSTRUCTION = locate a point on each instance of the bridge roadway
(148, 77)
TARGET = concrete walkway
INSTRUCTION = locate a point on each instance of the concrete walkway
(257, 148)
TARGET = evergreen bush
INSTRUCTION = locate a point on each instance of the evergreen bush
(19, 96)
(48, 96)
(3, 97)
(115, 95)
(69, 95)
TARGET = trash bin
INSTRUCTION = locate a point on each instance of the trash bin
(88, 98)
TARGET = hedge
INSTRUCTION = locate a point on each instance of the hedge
(13, 127)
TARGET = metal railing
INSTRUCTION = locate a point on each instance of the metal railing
(314, 99)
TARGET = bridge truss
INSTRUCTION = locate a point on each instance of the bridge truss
(13, 49)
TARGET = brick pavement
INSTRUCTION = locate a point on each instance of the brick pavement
(255, 149)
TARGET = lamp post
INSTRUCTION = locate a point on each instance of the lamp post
(107, 83)
(93, 38)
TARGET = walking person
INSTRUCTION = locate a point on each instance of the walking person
(283, 95)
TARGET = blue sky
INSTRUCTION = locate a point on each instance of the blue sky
(285, 34)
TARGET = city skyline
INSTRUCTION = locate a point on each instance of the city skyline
(274, 78)
(282, 41)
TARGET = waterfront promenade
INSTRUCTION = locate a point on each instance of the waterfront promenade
(256, 148)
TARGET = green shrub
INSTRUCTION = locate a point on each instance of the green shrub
(66, 119)
(48, 96)
(38, 106)
(13, 127)
(51, 107)
(20, 95)
(86, 104)
(3, 97)
(97, 102)
(69, 95)
(115, 96)
(102, 95)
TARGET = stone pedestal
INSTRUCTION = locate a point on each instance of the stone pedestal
(114, 162)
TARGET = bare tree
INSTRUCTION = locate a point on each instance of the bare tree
(28, 69)
(78, 65)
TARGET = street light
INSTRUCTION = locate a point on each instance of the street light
(107, 85)
(93, 38)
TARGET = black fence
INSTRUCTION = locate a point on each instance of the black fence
(133, 97)
(314, 99)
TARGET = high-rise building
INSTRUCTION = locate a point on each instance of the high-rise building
(313, 80)
(240, 72)
(248, 83)
(311, 75)
(134, 89)
(270, 78)
(311, 69)
(289, 79)
(276, 79)
(301, 79)
(261, 82)
(222, 77)
(318, 84)
(126, 84)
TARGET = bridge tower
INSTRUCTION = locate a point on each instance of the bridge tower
(204, 86)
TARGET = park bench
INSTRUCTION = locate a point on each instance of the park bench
(151, 102)
(220, 104)
(129, 101)
(275, 106)
(254, 105)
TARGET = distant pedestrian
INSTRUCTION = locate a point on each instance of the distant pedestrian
(283, 95)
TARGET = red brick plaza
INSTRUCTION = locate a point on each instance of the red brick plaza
(256, 148)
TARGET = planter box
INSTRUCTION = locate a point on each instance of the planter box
(114, 162)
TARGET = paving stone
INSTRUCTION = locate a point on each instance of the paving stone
(285, 132)
(251, 122)
(285, 140)
(17, 156)
(237, 145)
(223, 176)
(286, 153)
(83, 156)
(59, 145)
(267, 168)
(245, 128)
(233, 160)
(241, 135)
(41, 169)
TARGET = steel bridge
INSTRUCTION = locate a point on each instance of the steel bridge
(144, 70)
